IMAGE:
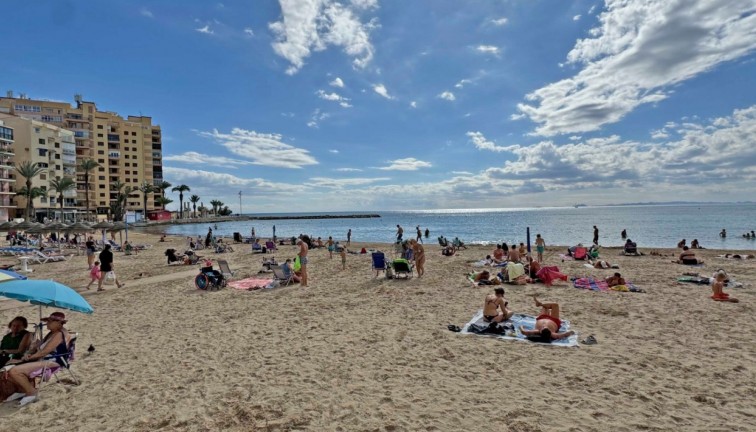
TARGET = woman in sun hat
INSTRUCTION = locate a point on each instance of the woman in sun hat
(47, 355)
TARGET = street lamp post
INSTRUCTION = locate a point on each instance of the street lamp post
(240, 203)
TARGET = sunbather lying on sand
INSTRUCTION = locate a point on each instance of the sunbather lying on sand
(495, 308)
(601, 264)
(615, 280)
(484, 278)
(717, 288)
(547, 324)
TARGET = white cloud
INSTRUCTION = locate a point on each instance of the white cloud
(364, 4)
(447, 95)
(637, 53)
(347, 169)
(203, 159)
(334, 151)
(465, 173)
(488, 49)
(342, 182)
(500, 21)
(308, 26)
(205, 30)
(337, 82)
(381, 90)
(462, 83)
(335, 97)
(413, 104)
(214, 181)
(406, 164)
(262, 149)
(146, 13)
(591, 10)
(248, 31)
(576, 17)
(481, 143)
(316, 117)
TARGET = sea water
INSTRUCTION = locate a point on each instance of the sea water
(651, 226)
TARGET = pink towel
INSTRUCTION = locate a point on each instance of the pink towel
(251, 283)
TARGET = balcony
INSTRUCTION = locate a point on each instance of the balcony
(81, 134)
(114, 155)
(114, 138)
(6, 149)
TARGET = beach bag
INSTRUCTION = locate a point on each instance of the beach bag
(483, 327)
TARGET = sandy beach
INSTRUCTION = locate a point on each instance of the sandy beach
(357, 353)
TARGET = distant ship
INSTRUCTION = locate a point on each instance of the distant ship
(580, 205)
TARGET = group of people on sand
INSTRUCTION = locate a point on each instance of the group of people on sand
(496, 310)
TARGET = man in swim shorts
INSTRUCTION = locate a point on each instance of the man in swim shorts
(540, 247)
(302, 254)
(547, 324)
(495, 307)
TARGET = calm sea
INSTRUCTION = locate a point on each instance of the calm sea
(650, 226)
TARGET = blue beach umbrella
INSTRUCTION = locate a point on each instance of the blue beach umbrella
(45, 293)
(7, 275)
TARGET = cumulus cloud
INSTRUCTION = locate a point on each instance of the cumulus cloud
(316, 117)
(334, 151)
(205, 30)
(447, 95)
(146, 13)
(308, 26)
(381, 90)
(576, 17)
(637, 53)
(499, 21)
(203, 159)
(335, 97)
(413, 104)
(249, 32)
(462, 83)
(481, 143)
(337, 82)
(215, 181)
(488, 49)
(344, 182)
(406, 164)
(261, 148)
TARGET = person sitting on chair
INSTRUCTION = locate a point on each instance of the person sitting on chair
(16, 342)
(289, 272)
(547, 324)
(495, 307)
(55, 343)
(207, 268)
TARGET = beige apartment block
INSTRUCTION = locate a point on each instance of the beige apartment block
(52, 148)
(7, 182)
(129, 150)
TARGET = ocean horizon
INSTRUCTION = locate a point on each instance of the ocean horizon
(650, 225)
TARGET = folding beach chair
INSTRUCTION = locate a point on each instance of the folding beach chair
(48, 258)
(270, 246)
(402, 268)
(66, 358)
(280, 275)
(225, 270)
(378, 262)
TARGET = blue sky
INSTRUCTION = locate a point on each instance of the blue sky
(318, 105)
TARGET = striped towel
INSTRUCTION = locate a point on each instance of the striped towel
(590, 284)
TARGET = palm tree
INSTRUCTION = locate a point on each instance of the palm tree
(87, 165)
(181, 189)
(28, 170)
(146, 188)
(31, 195)
(163, 201)
(61, 185)
(194, 199)
(162, 187)
(215, 204)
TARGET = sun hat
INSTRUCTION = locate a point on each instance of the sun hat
(56, 316)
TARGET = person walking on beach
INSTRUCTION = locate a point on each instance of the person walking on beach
(419, 238)
(106, 266)
(90, 245)
(624, 234)
(399, 233)
(419, 253)
(349, 237)
(302, 254)
(540, 247)
(595, 235)
(94, 274)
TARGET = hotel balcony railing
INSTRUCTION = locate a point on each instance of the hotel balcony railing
(113, 137)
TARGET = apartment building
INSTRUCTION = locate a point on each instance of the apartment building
(6, 179)
(128, 150)
(52, 148)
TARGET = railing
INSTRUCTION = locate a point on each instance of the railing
(112, 137)
(114, 155)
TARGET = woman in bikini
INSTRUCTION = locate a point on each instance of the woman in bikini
(419, 253)
(547, 324)
(495, 308)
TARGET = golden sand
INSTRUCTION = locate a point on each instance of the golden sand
(354, 353)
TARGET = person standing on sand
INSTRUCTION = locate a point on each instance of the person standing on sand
(342, 252)
(419, 238)
(90, 251)
(349, 237)
(419, 253)
(106, 266)
(595, 235)
(302, 254)
(330, 246)
(540, 247)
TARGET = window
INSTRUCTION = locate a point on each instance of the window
(133, 141)
(99, 126)
(102, 186)
(57, 156)
(128, 172)
(101, 177)
(126, 156)
(135, 165)
(133, 133)
(57, 167)
(102, 152)
(57, 145)
(101, 169)
(42, 141)
(102, 195)
(28, 108)
(42, 152)
(100, 136)
(100, 143)
(53, 119)
(101, 160)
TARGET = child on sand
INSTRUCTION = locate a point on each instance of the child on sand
(540, 247)
(342, 252)
(717, 288)
(94, 273)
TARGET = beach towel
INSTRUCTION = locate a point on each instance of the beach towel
(549, 274)
(515, 270)
(700, 280)
(628, 287)
(517, 320)
(590, 283)
(250, 284)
